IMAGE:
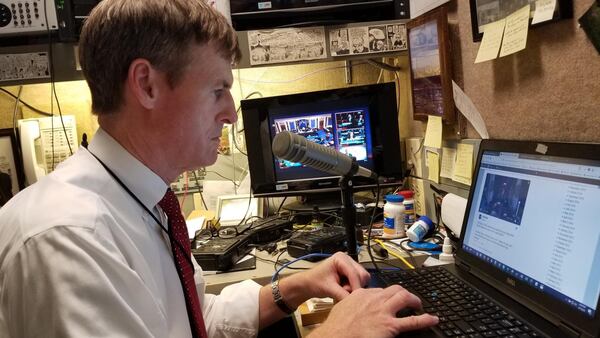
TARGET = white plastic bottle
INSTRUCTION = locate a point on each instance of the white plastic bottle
(409, 206)
(393, 216)
(420, 229)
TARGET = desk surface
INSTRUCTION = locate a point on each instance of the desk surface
(264, 270)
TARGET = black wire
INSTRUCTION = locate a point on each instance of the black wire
(25, 103)
(199, 189)
(371, 228)
(281, 205)
(227, 178)
(277, 259)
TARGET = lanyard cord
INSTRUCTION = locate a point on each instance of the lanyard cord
(164, 229)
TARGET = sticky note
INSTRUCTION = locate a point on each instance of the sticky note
(433, 133)
(433, 164)
(448, 160)
(492, 39)
(544, 11)
(463, 168)
(515, 32)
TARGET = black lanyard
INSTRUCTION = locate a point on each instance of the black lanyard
(187, 257)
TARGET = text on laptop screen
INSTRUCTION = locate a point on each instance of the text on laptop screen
(536, 218)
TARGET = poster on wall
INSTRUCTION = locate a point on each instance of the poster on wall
(286, 45)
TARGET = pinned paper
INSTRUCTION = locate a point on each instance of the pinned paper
(433, 133)
(448, 160)
(468, 109)
(418, 7)
(418, 187)
(544, 11)
(433, 163)
(463, 169)
(515, 32)
(492, 39)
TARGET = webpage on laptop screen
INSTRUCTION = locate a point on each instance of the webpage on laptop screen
(536, 217)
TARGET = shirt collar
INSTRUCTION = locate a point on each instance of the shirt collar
(142, 181)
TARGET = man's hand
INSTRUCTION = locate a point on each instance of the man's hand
(336, 277)
(372, 313)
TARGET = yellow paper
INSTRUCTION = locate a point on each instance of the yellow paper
(515, 32)
(433, 134)
(490, 44)
(433, 162)
(544, 11)
(448, 160)
(463, 169)
(418, 187)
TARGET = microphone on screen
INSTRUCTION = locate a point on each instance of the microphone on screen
(295, 148)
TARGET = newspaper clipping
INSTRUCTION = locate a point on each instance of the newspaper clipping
(368, 39)
(286, 45)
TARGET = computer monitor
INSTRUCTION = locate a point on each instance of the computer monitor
(360, 121)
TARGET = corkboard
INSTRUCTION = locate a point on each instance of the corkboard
(549, 91)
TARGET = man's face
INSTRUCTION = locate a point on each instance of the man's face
(193, 113)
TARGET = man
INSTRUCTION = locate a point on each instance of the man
(94, 249)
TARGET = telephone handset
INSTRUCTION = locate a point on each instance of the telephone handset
(36, 138)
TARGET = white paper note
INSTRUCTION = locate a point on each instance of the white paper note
(448, 160)
(544, 11)
(468, 109)
(515, 32)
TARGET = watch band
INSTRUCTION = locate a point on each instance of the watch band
(279, 299)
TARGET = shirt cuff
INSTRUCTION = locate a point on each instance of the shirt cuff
(234, 312)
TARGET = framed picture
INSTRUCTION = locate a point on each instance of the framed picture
(430, 66)
(488, 11)
(11, 170)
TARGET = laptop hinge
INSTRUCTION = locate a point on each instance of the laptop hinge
(571, 332)
(464, 266)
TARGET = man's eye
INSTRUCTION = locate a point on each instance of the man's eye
(218, 93)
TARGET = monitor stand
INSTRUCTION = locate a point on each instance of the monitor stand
(330, 201)
(323, 202)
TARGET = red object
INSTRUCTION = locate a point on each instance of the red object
(180, 241)
(407, 193)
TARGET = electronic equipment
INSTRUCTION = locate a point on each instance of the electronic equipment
(326, 240)
(295, 148)
(360, 121)
(43, 142)
(528, 250)
(256, 14)
(72, 15)
(18, 17)
(219, 254)
(232, 209)
(269, 229)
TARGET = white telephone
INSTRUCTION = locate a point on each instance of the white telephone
(36, 138)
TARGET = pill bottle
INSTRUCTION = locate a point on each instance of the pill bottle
(420, 229)
(409, 208)
(393, 216)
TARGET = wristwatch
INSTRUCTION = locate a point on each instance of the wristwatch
(279, 299)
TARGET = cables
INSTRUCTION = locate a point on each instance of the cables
(371, 228)
(19, 100)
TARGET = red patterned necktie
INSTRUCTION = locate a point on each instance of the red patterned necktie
(180, 244)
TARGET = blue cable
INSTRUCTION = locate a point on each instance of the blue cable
(276, 274)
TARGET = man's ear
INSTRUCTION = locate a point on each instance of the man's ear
(144, 82)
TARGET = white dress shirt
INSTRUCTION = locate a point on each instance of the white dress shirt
(79, 257)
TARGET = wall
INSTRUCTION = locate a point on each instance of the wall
(74, 97)
(549, 91)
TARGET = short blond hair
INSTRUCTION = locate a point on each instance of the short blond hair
(160, 31)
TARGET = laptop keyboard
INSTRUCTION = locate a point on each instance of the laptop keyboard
(462, 310)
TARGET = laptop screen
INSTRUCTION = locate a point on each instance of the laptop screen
(535, 217)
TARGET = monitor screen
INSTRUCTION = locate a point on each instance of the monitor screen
(361, 122)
